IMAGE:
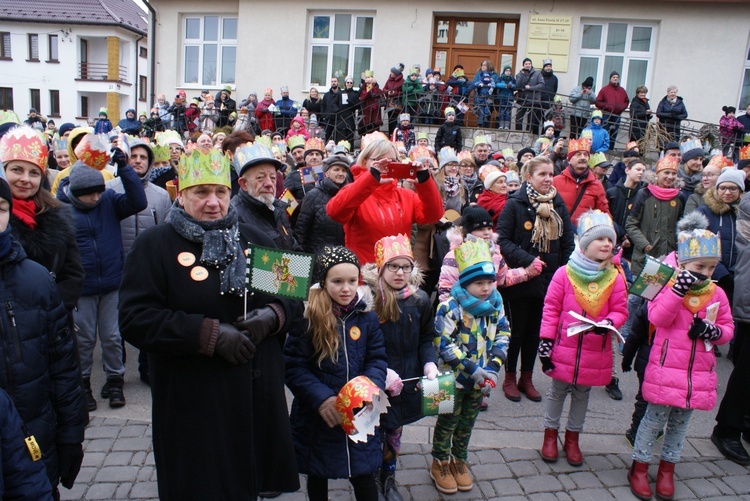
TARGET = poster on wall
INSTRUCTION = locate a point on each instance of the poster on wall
(549, 38)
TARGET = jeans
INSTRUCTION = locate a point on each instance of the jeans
(99, 313)
(677, 421)
(579, 402)
(639, 408)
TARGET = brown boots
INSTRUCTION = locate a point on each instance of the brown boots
(638, 478)
(510, 388)
(549, 447)
(526, 385)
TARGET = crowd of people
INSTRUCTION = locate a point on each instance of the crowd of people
(429, 257)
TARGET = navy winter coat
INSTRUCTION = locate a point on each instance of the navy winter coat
(722, 220)
(98, 232)
(323, 451)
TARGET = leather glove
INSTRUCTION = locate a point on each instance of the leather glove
(602, 330)
(393, 383)
(492, 376)
(234, 346)
(431, 370)
(69, 459)
(259, 324)
(545, 355)
(703, 330)
(328, 412)
(683, 282)
(119, 157)
(480, 375)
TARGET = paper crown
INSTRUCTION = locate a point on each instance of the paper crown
(486, 169)
(472, 252)
(697, 244)
(357, 393)
(593, 218)
(548, 123)
(450, 111)
(691, 144)
(247, 156)
(26, 144)
(161, 152)
(581, 144)
(278, 148)
(8, 116)
(597, 159)
(720, 161)
(265, 141)
(631, 145)
(445, 152)
(418, 152)
(596, 114)
(339, 150)
(369, 73)
(315, 144)
(60, 144)
(508, 153)
(102, 110)
(422, 135)
(92, 151)
(169, 137)
(586, 134)
(404, 117)
(465, 156)
(345, 144)
(745, 152)
(389, 248)
(667, 163)
(480, 140)
(203, 167)
(372, 137)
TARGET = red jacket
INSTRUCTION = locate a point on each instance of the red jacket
(594, 198)
(370, 211)
(265, 117)
(612, 99)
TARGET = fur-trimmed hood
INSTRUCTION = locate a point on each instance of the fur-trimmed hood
(370, 277)
(55, 230)
(715, 205)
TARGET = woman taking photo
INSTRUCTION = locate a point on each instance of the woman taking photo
(533, 227)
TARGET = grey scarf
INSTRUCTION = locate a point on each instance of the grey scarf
(221, 245)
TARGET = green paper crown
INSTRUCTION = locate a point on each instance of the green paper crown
(472, 252)
(481, 140)
(161, 152)
(296, 142)
(203, 167)
(596, 159)
(265, 141)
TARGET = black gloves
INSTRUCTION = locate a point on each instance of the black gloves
(259, 324)
(602, 330)
(703, 330)
(545, 355)
(626, 366)
(69, 459)
(119, 157)
(683, 282)
(233, 346)
(423, 176)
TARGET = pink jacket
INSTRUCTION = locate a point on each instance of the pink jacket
(585, 358)
(682, 372)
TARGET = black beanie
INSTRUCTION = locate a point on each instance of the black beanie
(523, 152)
(66, 127)
(526, 59)
(5, 189)
(589, 82)
(85, 180)
(613, 74)
(330, 257)
(475, 217)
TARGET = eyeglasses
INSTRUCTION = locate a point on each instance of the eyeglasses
(393, 267)
(731, 189)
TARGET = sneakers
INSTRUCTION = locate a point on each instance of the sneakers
(613, 389)
(440, 473)
(461, 474)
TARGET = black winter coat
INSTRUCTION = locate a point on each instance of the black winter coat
(53, 245)
(621, 199)
(449, 134)
(514, 227)
(323, 451)
(235, 416)
(293, 183)
(273, 223)
(639, 116)
(670, 115)
(329, 106)
(40, 368)
(314, 229)
(638, 344)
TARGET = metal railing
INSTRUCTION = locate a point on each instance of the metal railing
(100, 72)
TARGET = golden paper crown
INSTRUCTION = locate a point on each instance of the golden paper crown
(481, 140)
(92, 151)
(466, 155)
(667, 163)
(200, 167)
(418, 152)
(720, 161)
(631, 145)
(371, 137)
(355, 394)
(745, 152)
(581, 144)
(26, 144)
(697, 244)
(472, 252)
(390, 248)
(315, 144)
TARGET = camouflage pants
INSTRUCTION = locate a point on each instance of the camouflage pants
(453, 431)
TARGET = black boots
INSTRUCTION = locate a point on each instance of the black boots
(390, 490)
(89, 395)
(116, 396)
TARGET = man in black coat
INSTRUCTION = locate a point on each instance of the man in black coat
(550, 84)
(329, 107)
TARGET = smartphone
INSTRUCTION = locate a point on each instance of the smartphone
(397, 170)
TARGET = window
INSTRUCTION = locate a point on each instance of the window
(35, 97)
(142, 52)
(33, 47)
(84, 106)
(745, 89)
(6, 98)
(340, 44)
(52, 54)
(622, 47)
(54, 103)
(142, 88)
(209, 49)
(5, 45)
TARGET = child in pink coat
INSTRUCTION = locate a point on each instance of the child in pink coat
(589, 285)
(690, 318)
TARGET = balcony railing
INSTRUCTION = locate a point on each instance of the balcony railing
(100, 71)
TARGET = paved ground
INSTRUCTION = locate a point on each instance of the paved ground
(504, 459)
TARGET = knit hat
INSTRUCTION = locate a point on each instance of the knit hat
(594, 224)
(512, 177)
(493, 176)
(474, 262)
(522, 152)
(694, 241)
(103, 111)
(589, 82)
(732, 175)
(339, 159)
(671, 145)
(526, 59)
(613, 74)
(398, 70)
(84, 180)
(475, 217)
(691, 149)
(389, 248)
(66, 127)
(330, 257)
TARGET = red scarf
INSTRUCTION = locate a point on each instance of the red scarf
(25, 210)
(663, 193)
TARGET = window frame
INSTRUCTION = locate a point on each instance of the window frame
(54, 103)
(3, 48)
(35, 99)
(199, 42)
(353, 43)
(142, 88)
(84, 106)
(628, 54)
(6, 98)
(143, 52)
(56, 38)
(743, 101)
(31, 37)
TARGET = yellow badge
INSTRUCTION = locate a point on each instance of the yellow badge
(33, 447)
(528, 225)
(694, 301)
(186, 259)
(673, 203)
(593, 287)
(199, 273)
(354, 333)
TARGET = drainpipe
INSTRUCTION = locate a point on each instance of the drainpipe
(152, 53)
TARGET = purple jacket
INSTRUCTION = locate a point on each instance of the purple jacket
(585, 358)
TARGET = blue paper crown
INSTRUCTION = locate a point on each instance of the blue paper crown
(698, 244)
(593, 218)
(692, 144)
(246, 154)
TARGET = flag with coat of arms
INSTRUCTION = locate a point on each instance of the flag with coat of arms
(279, 272)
